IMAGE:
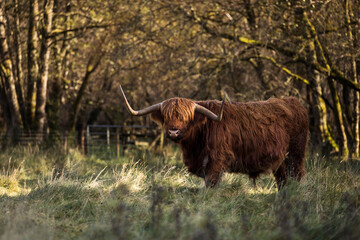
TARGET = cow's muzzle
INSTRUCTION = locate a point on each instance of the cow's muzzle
(174, 134)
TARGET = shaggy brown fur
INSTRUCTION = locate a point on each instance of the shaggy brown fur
(252, 138)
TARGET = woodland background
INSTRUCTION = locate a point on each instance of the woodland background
(61, 64)
(62, 61)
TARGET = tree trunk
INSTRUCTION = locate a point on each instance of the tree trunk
(60, 56)
(325, 61)
(54, 103)
(356, 106)
(315, 136)
(320, 106)
(18, 63)
(90, 68)
(339, 119)
(32, 66)
(348, 112)
(356, 131)
(322, 116)
(7, 79)
(92, 64)
(257, 63)
(41, 83)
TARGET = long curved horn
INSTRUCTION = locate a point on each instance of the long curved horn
(141, 112)
(210, 114)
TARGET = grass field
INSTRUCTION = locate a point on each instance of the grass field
(45, 194)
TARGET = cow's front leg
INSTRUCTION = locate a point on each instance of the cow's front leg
(212, 178)
(212, 172)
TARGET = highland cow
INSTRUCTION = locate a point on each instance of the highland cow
(250, 138)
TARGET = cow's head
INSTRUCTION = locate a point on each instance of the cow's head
(176, 115)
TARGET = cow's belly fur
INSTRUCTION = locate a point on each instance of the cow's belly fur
(249, 164)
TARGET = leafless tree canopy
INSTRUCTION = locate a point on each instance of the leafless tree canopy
(62, 61)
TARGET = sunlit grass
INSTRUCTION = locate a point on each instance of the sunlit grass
(46, 194)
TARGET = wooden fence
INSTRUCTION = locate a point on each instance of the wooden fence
(112, 140)
(25, 138)
(105, 141)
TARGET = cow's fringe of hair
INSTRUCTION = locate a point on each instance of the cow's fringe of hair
(178, 108)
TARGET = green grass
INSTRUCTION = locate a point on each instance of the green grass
(45, 194)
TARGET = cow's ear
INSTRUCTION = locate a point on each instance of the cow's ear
(157, 117)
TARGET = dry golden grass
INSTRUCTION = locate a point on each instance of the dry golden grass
(148, 196)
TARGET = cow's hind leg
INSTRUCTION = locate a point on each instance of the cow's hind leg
(280, 176)
(295, 163)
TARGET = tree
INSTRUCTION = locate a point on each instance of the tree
(8, 94)
(67, 73)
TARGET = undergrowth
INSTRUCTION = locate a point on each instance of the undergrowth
(46, 194)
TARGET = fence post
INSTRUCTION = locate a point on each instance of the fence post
(88, 139)
(82, 140)
(65, 142)
(108, 140)
(117, 143)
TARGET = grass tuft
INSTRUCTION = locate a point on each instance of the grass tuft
(52, 195)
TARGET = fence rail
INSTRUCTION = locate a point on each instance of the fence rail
(106, 141)
(113, 140)
(25, 138)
